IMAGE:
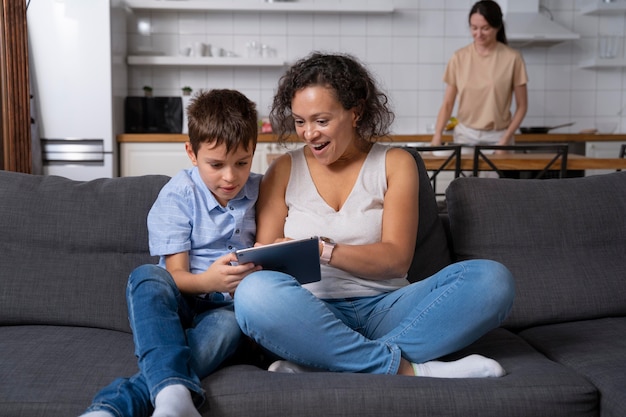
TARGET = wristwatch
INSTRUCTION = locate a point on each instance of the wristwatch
(327, 249)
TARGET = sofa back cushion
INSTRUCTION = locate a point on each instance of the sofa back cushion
(564, 240)
(431, 249)
(67, 247)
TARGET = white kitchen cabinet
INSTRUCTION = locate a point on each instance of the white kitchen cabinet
(146, 158)
(602, 150)
(168, 158)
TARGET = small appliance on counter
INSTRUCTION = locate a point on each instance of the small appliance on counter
(153, 115)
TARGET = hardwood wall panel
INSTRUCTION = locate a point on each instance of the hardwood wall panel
(15, 121)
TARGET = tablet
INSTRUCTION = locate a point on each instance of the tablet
(299, 258)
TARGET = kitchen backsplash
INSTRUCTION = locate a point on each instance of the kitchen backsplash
(407, 50)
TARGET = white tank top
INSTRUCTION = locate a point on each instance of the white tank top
(358, 222)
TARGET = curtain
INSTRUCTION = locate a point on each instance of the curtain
(15, 119)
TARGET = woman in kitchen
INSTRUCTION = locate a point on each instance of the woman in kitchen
(485, 76)
(364, 315)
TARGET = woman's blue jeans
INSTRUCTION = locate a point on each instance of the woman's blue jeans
(420, 322)
(178, 340)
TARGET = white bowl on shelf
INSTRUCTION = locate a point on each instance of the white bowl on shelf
(606, 127)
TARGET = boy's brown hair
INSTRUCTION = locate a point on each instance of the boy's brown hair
(222, 117)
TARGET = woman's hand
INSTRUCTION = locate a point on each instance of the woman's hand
(444, 114)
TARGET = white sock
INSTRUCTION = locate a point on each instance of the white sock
(472, 366)
(98, 413)
(287, 367)
(174, 401)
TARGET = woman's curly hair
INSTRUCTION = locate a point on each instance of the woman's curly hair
(352, 85)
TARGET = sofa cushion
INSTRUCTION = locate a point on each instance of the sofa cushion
(431, 249)
(67, 247)
(595, 349)
(57, 370)
(534, 386)
(563, 239)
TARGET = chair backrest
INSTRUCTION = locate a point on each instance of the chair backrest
(558, 152)
(452, 155)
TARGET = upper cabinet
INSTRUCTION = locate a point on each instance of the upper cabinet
(600, 7)
(274, 6)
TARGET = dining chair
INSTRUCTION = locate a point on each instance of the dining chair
(622, 152)
(559, 152)
(453, 156)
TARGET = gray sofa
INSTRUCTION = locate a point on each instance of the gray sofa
(67, 247)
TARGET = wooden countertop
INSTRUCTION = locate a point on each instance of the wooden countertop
(520, 138)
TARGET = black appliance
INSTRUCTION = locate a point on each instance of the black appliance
(153, 115)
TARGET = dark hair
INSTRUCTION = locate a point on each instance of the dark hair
(492, 13)
(352, 85)
(224, 117)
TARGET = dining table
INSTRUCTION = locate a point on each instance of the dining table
(522, 162)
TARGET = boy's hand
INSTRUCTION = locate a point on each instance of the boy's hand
(222, 276)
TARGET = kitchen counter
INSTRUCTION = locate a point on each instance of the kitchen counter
(520, 138)
(162, 153)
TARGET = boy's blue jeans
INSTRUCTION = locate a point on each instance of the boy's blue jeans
(420, 322)
(178, 340)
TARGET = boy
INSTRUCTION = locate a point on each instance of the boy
(181, 311)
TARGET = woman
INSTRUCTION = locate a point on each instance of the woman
(363, 316)
(485, 75)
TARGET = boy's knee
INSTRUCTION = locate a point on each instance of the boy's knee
(149, 272)
(152, 274)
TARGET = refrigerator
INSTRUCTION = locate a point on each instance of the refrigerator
(78, 73)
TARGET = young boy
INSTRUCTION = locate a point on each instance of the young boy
(181, 310)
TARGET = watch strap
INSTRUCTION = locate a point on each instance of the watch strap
(327, 250)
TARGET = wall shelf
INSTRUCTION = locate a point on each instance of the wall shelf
(183, 61)
(599, 7)
(247, 6)
(597, 63)
(329, 6)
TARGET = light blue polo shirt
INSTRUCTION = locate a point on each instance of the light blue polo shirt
(186, 217)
